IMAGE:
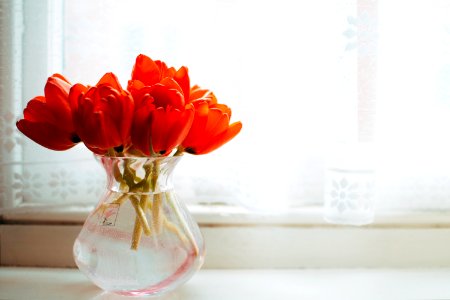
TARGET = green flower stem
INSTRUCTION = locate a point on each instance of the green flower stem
(156, 213)
(189, 234)
(121, 199)
(137, 233)
(144, 204)
(128, 174)
(157, 200)
(174, 228)
(140, 214)
(169, 225)
(179, 151)
(154, 175)
(137, 230)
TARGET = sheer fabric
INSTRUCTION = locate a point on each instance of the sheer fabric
(340, 99)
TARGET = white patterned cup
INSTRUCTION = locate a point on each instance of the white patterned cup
(349, 191)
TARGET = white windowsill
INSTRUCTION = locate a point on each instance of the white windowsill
(229, 215)
(237, 238)
(336, 284)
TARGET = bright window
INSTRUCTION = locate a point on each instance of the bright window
(336, 97)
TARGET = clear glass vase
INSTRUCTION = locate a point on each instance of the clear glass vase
(140, 239)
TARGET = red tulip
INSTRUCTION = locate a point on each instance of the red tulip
(164, 94)
(147, 72)
(158, 129)
(48, 120)
(162, 118)
(103, 114)
(210, 128)
(169, 128)
(198, 94)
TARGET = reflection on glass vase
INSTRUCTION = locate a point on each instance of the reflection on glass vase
(140, 239)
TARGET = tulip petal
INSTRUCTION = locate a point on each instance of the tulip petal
(140, 132)
(142, 97)
(111, 80)
(164, 71)
(56, 96)
(182, 78)
(217, 122)
(76, 92)
(37, 111)
(198, 125)
(135, 87)
(219, 140)
(61, 77)
(224, 108)
(171, 84)
(169, 128)
(165, 96)
(146, 70)
(56, 90)
(48, 135)
(197, 93)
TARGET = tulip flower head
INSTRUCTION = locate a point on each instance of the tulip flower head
(147, 73)
(103, 114)
(48, 119)
(162, 120)
(210, 129)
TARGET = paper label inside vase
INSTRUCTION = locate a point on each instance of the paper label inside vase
(110, 215)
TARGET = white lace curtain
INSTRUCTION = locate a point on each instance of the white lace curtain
(339, 99)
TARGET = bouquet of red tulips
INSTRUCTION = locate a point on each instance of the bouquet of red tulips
(159, 114)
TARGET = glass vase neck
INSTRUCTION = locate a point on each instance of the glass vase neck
(139, 175)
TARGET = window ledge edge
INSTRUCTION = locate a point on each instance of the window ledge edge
(226, 215)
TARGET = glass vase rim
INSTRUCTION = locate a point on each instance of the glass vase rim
(139, 158)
